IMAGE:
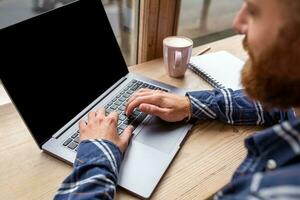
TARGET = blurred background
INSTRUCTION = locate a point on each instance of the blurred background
(202, 20)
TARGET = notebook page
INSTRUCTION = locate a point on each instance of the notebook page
(222, 66)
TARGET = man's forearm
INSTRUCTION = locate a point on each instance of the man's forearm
(95, 172)
(232, 107)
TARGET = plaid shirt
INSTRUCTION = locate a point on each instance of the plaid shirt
(271, 169)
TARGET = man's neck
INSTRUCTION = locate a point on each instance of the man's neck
(297, 111)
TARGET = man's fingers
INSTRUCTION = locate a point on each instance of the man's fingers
(153, 110)
(144, 90)
(113, 117)
(100, 114)
(82, 127)
(126, 135)
(150, 99)
(91, 116)
(140, 93)
(82, 124)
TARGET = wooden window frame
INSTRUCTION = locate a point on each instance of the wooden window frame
(158, 19)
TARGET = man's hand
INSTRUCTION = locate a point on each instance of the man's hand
(101, 127)
(167, 106)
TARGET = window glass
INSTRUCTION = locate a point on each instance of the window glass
(207, 20)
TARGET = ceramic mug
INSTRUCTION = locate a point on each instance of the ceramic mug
(177, 53)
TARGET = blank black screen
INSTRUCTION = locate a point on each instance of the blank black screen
(56, 64)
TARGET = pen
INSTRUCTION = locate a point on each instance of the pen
(203, 51)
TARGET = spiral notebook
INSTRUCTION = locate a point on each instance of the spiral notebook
(220, 69)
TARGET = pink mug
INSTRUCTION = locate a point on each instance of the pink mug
(177, 54)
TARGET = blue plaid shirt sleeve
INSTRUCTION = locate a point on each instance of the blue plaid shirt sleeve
(232, 107)
(95, 172)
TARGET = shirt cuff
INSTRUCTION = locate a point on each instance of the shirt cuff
(194, 109)
(200, 110)
(89, 150)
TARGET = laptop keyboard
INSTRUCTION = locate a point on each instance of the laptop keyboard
(118, 104)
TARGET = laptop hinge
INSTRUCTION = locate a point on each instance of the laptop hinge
(87, 109)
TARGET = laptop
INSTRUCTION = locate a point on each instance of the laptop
(59, 66)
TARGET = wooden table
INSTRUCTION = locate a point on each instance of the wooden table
(205, 163)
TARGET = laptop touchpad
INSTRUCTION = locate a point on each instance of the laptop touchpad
(161, 135)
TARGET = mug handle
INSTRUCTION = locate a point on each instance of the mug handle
(178, 58)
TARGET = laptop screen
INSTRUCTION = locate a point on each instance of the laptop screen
(56, 64)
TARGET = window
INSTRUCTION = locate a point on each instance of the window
(207, 20)
(14, 11)
(123, 16)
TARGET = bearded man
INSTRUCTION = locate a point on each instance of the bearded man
(271, 78)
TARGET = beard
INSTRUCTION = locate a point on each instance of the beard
(273, 77)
